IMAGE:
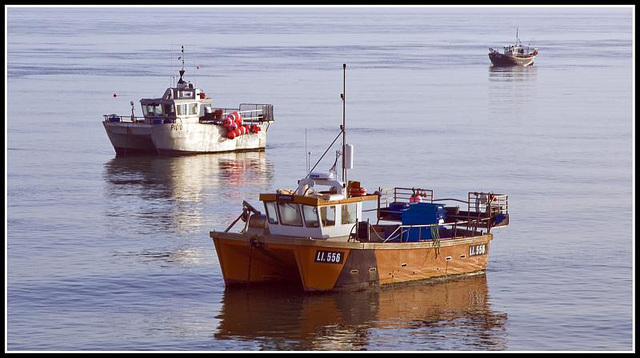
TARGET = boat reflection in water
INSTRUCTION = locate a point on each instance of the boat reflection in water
(176, 198)
(516, 73)
(450, 315)
(512, 92)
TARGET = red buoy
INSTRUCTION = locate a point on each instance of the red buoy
(231, 134)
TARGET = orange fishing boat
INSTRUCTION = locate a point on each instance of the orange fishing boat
(316, 235)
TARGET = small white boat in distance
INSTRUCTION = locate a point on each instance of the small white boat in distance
(183, 121)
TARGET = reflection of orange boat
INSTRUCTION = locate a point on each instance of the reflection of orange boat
(287, 320)
(318, 237)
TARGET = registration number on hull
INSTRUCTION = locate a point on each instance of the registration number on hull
(332, 257)
(475, 250)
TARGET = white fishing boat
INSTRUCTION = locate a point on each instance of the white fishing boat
(184, 121)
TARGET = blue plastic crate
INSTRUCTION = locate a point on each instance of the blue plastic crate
(421, 214)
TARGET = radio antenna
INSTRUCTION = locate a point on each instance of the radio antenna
(181, 81)
(341, 133)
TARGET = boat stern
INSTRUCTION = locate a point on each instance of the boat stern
(129, 138)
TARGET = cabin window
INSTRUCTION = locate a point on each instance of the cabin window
(193, 108)
(349, 213)
(182, 109)
(205, 109)
(272, 216)
(328, 215)
(289, 214)
(186, 94)
(310, 216)
(168, 109)
(152, 110)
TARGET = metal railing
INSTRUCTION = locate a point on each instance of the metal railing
(250, 113)
(486, 205)
(403, 231)
(119, 118)
(484, 209)
(264, 112)
(403, 195)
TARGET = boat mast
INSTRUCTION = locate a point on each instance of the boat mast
(342, 132)
(344, 129)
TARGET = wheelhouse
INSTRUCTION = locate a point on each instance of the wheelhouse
(314, 214)
(184, 102)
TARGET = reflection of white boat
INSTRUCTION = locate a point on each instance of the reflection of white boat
(317, 236)
(174, 190)
(513, 55)
(183, 121)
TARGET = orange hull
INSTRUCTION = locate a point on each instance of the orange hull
(323, 265)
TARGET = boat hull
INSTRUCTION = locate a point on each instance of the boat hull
(501, 60)
(324, 265)
(130, 138)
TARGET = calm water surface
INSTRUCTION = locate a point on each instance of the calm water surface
(114, 254)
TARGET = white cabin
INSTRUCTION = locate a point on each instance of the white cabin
(310, 213)
(183, 101)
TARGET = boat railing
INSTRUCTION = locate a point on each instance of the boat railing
(119, 118)
(250, 113)
(465, 228)
(494, 207)
(404, 195)
(484, 210)
(489, 203)
(259, 111)
(392, 200)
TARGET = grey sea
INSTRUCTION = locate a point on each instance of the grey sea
(105, 253)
